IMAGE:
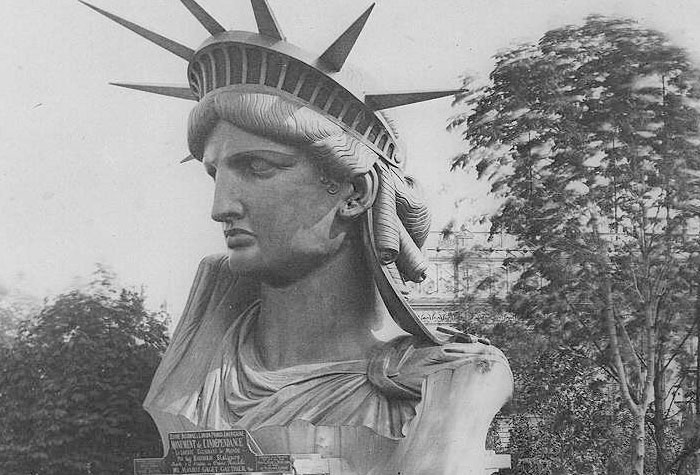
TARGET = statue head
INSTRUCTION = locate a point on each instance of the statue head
(289, 184)
(340, 159)
(262, 85)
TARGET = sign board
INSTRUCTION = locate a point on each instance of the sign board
(224, 451)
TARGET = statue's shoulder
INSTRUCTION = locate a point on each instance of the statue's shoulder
(217, 298)
(457, 389)
(461, 387)
(400, 366)
(216, 290)
(215, 278)
(212, 268)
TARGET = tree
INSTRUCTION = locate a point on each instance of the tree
(72, 384)
(15, 307)
(574, 426)
(563, 418)
(591, 138)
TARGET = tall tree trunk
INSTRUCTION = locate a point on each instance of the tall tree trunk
(637, 442)
(697, 348)
(659, 420)
(642, 381)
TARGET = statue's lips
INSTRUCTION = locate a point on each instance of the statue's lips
(237, 237)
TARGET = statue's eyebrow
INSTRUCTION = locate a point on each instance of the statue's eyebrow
(280, 159)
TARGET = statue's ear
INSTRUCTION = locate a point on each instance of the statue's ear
(364, 190)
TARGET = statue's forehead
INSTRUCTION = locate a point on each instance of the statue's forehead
(227, 139)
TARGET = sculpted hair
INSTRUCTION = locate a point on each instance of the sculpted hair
(401, 221)
(339, 154)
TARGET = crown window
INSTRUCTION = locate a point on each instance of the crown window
(323, 94)
(310, 83)
(254, 63)
(220, 69)
(337, 106)
(235, 69)
(294, 70)
(275, 63)
(351, 114)
(382, 141)
(374, 132)
(364, 122)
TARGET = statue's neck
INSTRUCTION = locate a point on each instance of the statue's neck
(325, 316)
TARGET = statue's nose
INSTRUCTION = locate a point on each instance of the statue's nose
(227, 204)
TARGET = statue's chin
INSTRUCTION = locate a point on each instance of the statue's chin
(278, 273)
(281, 268)
(245, 263)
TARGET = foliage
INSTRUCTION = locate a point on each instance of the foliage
(591, 138)
(72, 384)
(15, 307)
(564, 418)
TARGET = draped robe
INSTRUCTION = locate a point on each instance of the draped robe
(212, 379)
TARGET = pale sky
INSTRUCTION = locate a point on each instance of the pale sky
(90, 172)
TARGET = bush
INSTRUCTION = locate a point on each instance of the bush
(72, 384)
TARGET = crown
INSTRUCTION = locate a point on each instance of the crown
(266, 62)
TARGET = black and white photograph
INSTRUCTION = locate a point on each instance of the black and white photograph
(322, 237)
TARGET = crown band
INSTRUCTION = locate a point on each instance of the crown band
(239, 58)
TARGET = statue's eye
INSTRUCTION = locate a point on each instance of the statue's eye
(259, 166)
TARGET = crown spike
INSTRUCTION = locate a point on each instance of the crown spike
(386, 101)
(265, 18)
(203, 17)
(180, 92)
(168, 44)
(338, 52)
